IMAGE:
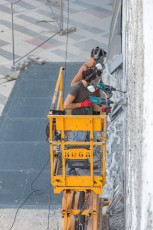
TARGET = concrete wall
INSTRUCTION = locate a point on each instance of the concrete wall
(147, 171)
(138, 72)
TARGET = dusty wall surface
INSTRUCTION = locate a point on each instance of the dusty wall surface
(138, 45)
(134, 72)
(147, 170)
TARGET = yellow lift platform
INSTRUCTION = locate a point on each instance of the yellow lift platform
(81, 204)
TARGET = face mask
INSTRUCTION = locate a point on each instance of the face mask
(91, 88)
(94, 85)
(99, 66)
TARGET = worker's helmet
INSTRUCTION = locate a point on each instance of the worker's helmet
(98, 54)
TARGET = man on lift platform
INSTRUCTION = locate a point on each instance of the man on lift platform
(78, 97)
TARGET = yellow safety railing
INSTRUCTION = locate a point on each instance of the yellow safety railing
(70, 150)
(57, 101)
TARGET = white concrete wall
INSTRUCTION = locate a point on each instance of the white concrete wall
(138, 70)
(147, 171)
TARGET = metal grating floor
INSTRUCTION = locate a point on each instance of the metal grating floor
(23, 147)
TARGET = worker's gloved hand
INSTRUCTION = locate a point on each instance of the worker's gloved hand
(86, 103)
(106, 109)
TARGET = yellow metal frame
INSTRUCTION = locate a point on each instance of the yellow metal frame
(93, 210)
(70, 210)
(76, 123)
(58, 92)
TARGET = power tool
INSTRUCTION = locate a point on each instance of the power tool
(108, 88)
(100, 101)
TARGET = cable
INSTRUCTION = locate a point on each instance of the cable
(38, 190)
(50, 217)
(68, 13)
(32, 192)
(18, 210)
(36, 47)
(49, 212)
